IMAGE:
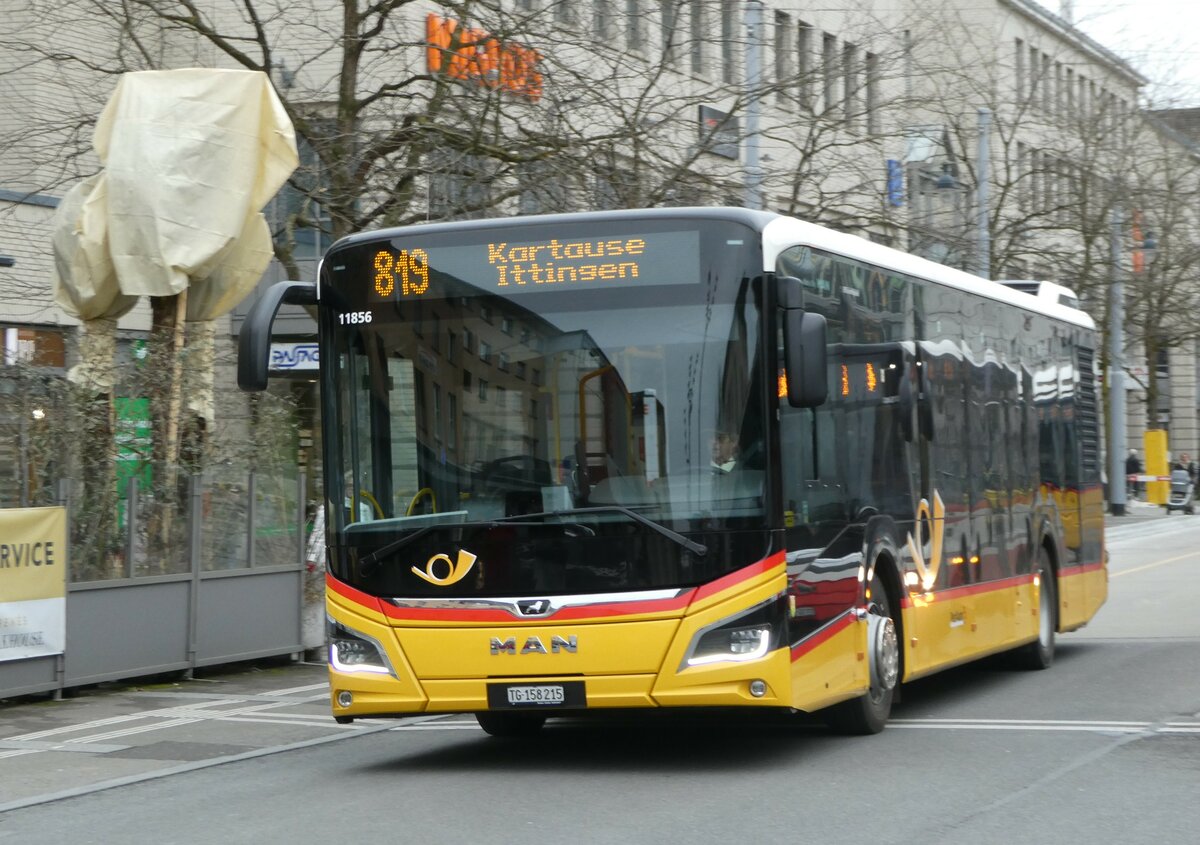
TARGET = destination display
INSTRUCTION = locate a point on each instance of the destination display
(507, 267)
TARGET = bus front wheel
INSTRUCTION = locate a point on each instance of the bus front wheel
(868, 713)
(510, 724)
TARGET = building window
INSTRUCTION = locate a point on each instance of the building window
(485, 351)
(459, 186)
(541, 189)
(829, 70)
(872, 93)
(1058, 89)
(783, 57)
(294, 210)
(602, 19)
(669, 22)
(850, 75)
(1033, 76)
(729, 40)
(804, 46)
(566, 13)
(1019, 72)
(699, 29)
(1047, 84)
(633, 24)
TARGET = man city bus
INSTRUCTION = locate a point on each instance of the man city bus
(527, 517)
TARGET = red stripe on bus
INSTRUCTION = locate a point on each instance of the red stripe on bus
(823, 635)
(1082, 569)
(744, 574)
(356, 596)
(968, 589)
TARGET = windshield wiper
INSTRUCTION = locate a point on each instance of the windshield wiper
(369, 562)
(675, 536)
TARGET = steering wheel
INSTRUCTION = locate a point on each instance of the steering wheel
(424, 491)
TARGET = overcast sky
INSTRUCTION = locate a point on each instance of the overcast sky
(1160, 38)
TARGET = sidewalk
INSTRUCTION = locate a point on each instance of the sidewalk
(115, 734)
(1137, 511)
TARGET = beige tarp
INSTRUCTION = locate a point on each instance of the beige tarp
(190, 157)
(85, 282)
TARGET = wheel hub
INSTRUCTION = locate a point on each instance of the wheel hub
(883, 652)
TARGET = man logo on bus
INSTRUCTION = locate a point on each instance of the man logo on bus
(936, 517)
(456, 570)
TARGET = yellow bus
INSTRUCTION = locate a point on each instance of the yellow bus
(704, 457)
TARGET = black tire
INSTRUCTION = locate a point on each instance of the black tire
(1039, 654)
(868, 714)
(510, 725)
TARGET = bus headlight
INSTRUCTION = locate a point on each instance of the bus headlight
(748, 635)
(352, 651)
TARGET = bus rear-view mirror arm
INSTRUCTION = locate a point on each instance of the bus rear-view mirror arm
(254, 340)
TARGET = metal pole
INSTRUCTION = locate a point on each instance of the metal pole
(984, 244)
(754, 73)
(1116, 375)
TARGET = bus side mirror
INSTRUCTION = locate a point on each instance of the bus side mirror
(806, 358)
(254, 340)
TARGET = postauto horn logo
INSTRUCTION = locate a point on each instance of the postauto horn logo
(935, 517)
(456, 570)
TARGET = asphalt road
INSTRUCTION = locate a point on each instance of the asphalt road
(1104, 747)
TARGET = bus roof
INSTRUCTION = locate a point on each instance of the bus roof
(779, 232)
(783, 232)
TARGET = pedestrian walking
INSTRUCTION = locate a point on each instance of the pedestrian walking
(1186, 462)
(1133, 466)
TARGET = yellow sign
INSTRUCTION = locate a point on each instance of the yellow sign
(457, 570)
(33, 582)
(936, 517)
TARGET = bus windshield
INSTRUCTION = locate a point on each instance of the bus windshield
(507, 390)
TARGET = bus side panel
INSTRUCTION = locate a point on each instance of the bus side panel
(830, 665)
(954, 626)
(1084, 588)
(1088, 585)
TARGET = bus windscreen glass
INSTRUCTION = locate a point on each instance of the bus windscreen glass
(602, 383)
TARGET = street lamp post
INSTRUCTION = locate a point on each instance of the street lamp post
(1116, 375)
(984, 244)
(754, 78)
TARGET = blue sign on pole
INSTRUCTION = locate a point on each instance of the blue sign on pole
(895, 183)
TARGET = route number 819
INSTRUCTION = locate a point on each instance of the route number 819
(412, 269)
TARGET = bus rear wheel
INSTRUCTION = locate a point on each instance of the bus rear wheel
(1039, 654)
(868, 713)
(510, 725)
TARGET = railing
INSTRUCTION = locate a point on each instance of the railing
(217, 580)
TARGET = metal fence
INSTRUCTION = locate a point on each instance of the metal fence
(222, 580)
